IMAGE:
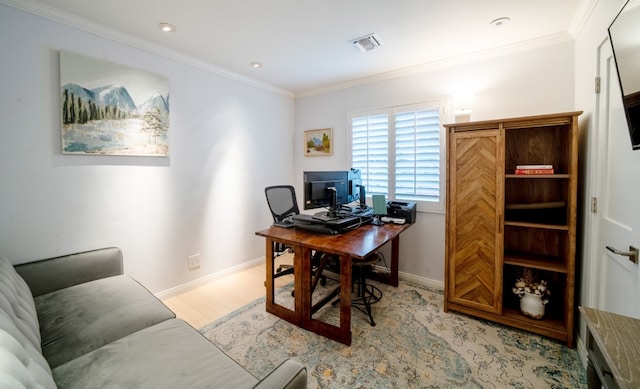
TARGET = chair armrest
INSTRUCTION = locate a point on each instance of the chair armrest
(48, 275)
(290, 375)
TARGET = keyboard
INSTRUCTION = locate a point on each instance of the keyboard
(333, 227)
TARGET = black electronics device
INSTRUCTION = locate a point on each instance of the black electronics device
(625, 52)
(333, 227)
(402, 209)
(324, 189)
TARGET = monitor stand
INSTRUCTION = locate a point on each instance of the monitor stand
(326, 216)
(331, 214)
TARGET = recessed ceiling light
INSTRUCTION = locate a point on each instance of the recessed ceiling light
(255, 64)
(500, 22)
(167, 27)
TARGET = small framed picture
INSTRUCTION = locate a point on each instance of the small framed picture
(318, 143)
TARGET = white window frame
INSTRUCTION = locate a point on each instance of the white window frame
(441, 105)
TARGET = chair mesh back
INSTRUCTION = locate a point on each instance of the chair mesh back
(282, 201)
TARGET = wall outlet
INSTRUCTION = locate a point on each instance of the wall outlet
(194, 261)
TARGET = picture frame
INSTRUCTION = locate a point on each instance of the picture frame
(318, 143)
(112, 109)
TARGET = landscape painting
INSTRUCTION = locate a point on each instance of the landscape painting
(318, 142)
(111, 109)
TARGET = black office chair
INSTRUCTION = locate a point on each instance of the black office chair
(283, 205)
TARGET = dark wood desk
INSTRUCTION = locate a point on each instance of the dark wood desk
(357, 244)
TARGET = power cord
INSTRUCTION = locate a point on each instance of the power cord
(382, 259)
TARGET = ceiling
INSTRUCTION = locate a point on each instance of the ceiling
(304, 45)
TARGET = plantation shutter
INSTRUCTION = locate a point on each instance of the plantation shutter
(370, 151)
(417, 155)
(400, 152)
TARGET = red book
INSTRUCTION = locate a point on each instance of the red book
(534, 171)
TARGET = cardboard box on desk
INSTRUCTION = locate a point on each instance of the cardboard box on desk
(402, 209)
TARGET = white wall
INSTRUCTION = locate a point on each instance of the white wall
(228, 140)
(537, 81)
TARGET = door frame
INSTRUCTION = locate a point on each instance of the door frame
(597, 142)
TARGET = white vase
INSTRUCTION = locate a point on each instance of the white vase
(532, 305)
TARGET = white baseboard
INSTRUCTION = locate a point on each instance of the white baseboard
(426, 282)
(582, 350)
(202, 281)
(422, 281)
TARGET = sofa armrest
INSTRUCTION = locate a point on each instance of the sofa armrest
(290, 375)
(48, 275)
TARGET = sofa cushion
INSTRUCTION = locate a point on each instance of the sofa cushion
(17, 303)
(21, 361)
(85, 317)
(51, 274)
(170, 354)
(22, 367)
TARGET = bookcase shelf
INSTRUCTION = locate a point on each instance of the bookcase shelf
(499, 224)
(541, 262)
(537, 176)
(537, 225)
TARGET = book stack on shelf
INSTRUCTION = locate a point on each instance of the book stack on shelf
(534, 169)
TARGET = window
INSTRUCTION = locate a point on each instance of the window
(399, 152)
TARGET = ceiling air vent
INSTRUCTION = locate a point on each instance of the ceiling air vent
(366, 43)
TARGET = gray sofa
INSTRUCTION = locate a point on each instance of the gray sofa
(77, 322)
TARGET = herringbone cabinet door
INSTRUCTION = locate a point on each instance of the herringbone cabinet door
(475, 231)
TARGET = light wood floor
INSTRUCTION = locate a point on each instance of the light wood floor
(224, 295)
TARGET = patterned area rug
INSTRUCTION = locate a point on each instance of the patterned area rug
(414, 345)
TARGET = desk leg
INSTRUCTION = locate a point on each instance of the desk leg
(292, 316)
(395, 261)
(392, 277)
(269, 281)
(593, 381)
(304, 287)
(342, 332)
(345, 298)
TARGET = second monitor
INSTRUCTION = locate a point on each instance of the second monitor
(320, 187)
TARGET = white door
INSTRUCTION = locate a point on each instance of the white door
(618, 192)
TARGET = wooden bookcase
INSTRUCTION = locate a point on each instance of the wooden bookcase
(499, 223)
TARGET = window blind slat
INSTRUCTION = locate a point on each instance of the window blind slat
(416, 132)
(409, 169)
(369, 151)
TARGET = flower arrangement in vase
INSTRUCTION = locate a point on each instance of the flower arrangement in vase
(533, 294)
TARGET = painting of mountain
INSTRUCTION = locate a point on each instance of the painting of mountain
(112, 109)
(318, 142)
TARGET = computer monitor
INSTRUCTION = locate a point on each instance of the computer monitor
(322, 187)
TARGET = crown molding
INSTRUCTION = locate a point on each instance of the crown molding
(545, 41)
(70, 20)
(581, 17)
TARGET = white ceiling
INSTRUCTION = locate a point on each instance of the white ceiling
(304, 45)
